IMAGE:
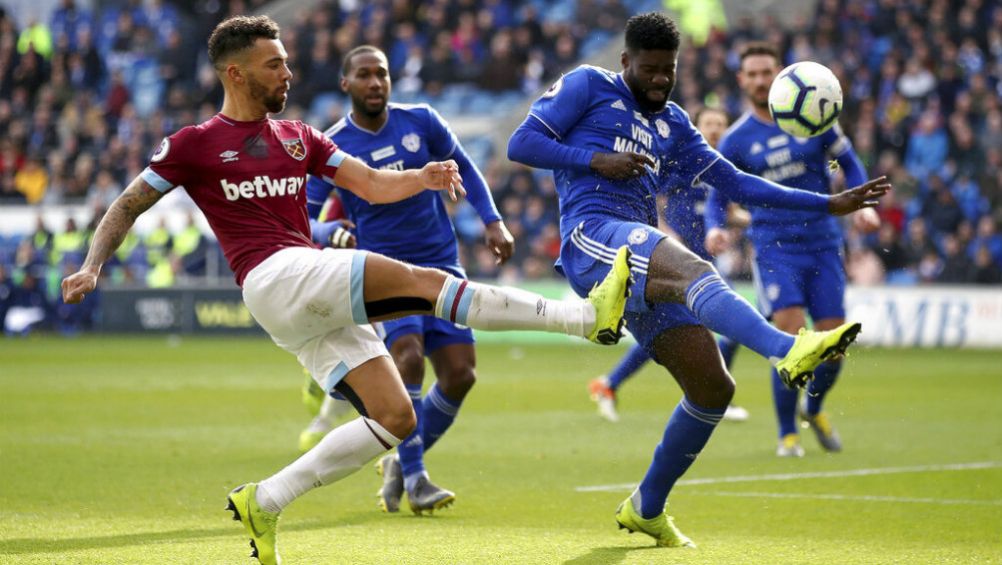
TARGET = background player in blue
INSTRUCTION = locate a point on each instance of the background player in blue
(611, 140)
(798, 254)
(683, 216)
(418, 231)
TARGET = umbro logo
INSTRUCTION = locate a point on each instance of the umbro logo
(618, 104)
(228, 156)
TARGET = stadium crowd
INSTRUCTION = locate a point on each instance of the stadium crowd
(85, 96)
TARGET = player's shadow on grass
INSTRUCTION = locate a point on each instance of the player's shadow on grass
(17, 546)
(42, 545)
(610, 555)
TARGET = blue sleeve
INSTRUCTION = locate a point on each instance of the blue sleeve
(532, 144)
(317, 191)
(443, 144)
(839, 147)
(537, 141)
(756, 191)
(689, 154)
(715, 214)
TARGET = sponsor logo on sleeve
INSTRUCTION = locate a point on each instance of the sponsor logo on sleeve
(553, 90)
(161, 151)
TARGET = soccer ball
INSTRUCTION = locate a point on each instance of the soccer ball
(805, 99)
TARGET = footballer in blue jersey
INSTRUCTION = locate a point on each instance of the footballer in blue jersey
(416, 230)
(613, 142)
(682, 211)
(798, 265)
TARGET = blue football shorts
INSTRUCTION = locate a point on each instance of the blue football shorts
(814, 280)
(585, 258)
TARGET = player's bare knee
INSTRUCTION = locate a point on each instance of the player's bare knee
(409, 360)
(399, 419)
(457, 383)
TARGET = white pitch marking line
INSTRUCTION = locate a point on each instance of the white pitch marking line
(810, 475)
(864, 498)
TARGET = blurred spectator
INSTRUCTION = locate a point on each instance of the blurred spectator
(986, 270)
(32, 180)
(927, 147)
(956, 266)
(89, 95)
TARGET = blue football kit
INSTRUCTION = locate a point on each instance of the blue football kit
(593, 110)
(798, 254)
(416, 230)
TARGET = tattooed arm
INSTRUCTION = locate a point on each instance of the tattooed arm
(136, 199)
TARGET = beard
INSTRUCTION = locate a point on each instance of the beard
(366, 109)
(274, 103)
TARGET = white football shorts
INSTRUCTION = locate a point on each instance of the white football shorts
(310, 302)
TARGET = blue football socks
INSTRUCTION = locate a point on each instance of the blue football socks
(437, 413)
(824, 379)
(634, 359)
(411, 450)
(785, 402)
(688, 430)
(726, 313)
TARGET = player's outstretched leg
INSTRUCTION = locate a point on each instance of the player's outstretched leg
(393, 289)
(386, 417)
(602, 390)
(678, 275)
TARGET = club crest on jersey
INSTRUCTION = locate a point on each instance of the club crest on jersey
(295, 148)
(663, 129)
(411, 142)
(638, 236)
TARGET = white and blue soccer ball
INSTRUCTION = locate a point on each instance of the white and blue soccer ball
(805, 99)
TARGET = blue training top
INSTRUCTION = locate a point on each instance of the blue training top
(418, 229)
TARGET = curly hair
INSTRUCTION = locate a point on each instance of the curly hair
(238, 33)
(650, 31)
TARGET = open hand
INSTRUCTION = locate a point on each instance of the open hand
(620, 166)
(443, 175)
(863, 196)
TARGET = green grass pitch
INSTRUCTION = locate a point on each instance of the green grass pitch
(121, 450)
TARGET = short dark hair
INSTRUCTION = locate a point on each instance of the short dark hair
(346, 62)
(651, 31)
(708, 109)
(235, 34)
(758, 48)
